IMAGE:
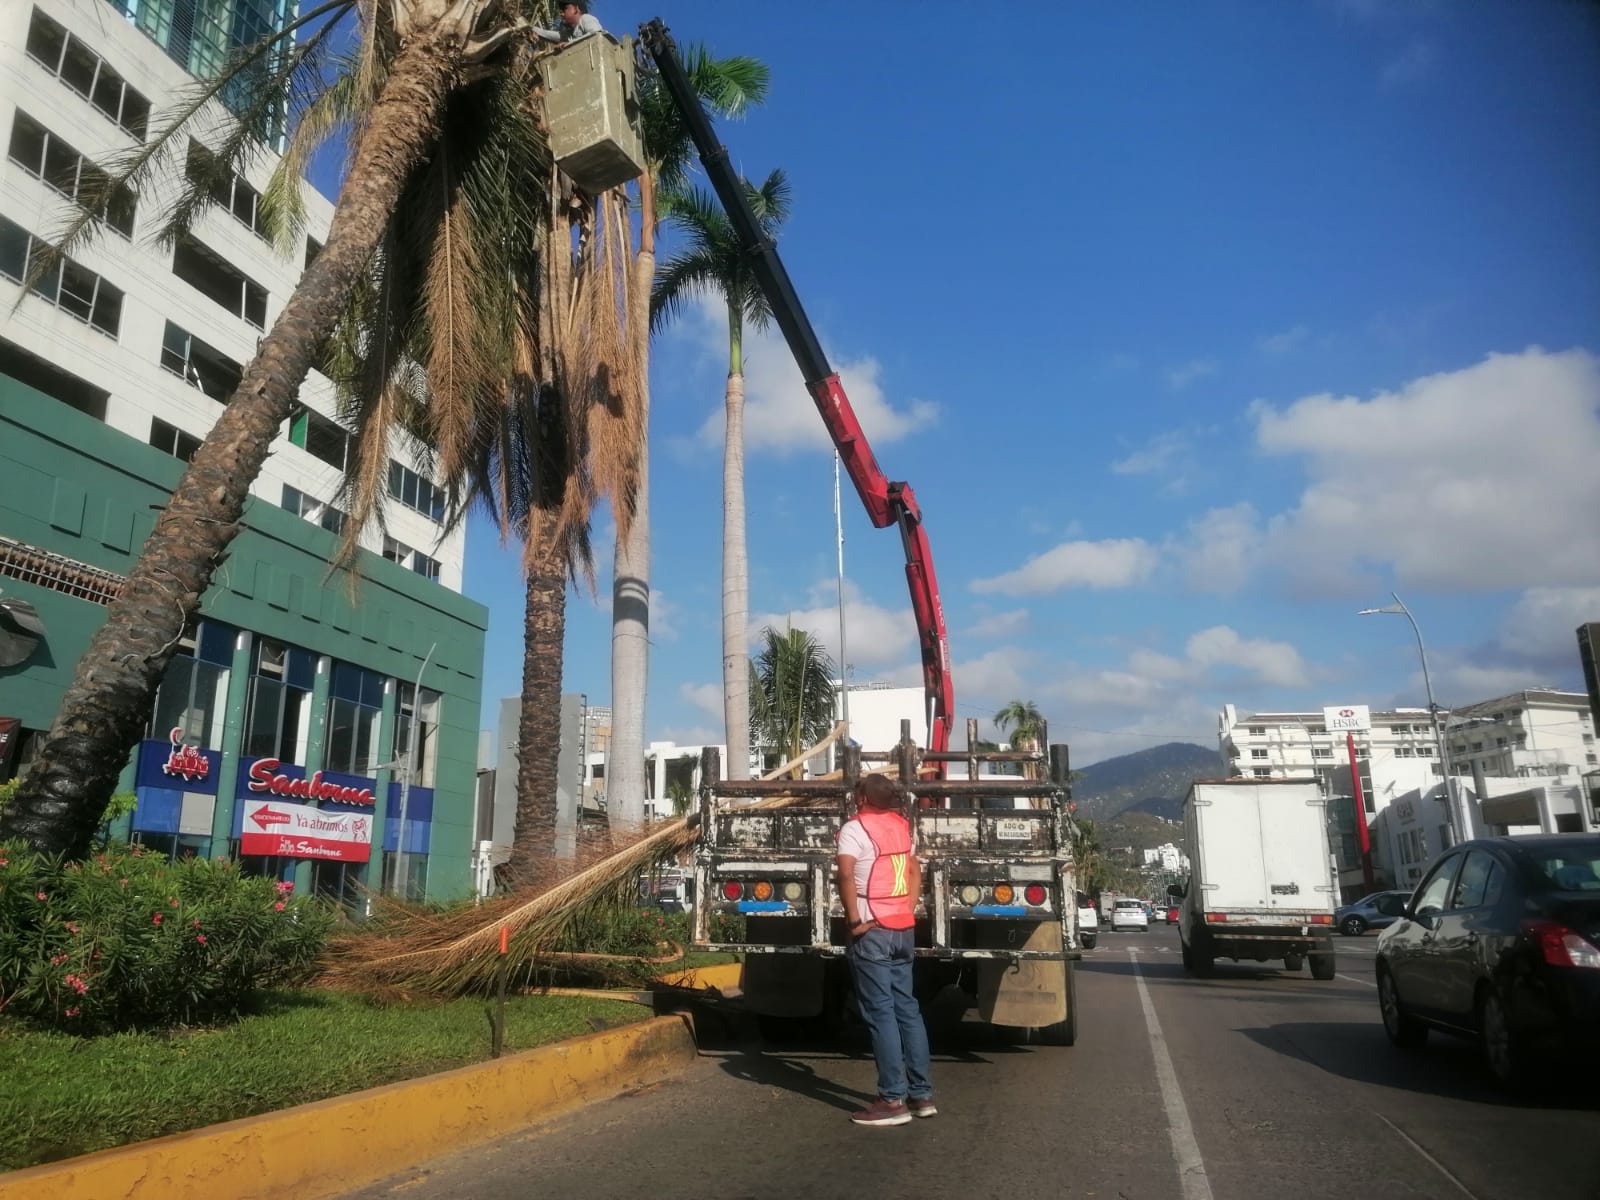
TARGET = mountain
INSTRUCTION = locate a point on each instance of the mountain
(1152, 781)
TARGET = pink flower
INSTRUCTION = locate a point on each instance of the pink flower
(58, 959)
(172, 901)
(76, 983)
(71, 928)
(195, 924)
(5, 862)
(156, 919)
(201, 938)
(123, 882)
(42, 896)
(278, 906)
(285, 886)
(70, 1012)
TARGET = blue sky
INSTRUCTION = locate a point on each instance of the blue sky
(1196, 328)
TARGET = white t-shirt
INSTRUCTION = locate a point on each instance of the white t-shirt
(853, 841)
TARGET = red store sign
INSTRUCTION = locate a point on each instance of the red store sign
(264, 776)
(271, 827)
(185, 762)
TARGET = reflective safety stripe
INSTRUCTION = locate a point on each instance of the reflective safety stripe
(888, 891)
(900, 888)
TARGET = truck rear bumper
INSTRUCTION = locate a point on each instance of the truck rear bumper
(943, 954)
(1264, 944)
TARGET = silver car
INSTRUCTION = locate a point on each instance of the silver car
(1377, 911)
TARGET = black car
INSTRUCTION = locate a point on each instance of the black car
(1500, 942)
(1377, 911)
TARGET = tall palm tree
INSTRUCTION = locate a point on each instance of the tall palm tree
(439, 102)
(1026, 723)
(728, 87)
(714, 261)
(792, 694)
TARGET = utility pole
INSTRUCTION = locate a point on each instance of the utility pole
(844, 675)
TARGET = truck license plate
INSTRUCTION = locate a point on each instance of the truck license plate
(1013, 829)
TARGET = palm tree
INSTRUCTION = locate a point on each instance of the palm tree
(728, 86)
(1027, 723)
(714, 261)
(446, 160)
(792, 694)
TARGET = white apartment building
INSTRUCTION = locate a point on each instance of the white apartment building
(1167, 857)
(1538, 733)
(147, 338)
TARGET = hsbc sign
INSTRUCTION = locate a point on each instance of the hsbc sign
(1347, 718)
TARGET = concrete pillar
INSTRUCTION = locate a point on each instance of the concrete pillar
(232, 741)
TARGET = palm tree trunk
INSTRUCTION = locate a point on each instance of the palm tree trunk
(630, 577)
(544, 623)
(735, 567)
(103, 713)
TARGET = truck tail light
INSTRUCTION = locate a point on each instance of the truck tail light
(1217, 918)
(794, 890)
(1322, 919)
(732, 889)
(1560, 946)
(969, 894)
(1034, 894)
(762, 890)
(1003, 893)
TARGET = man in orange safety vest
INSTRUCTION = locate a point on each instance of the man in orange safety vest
(879, 882)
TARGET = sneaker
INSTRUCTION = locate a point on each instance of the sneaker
(922, 1108)
(883, 1112)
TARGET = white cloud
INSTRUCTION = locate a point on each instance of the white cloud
(1255, 660)
(1477, 479)
(664, 617)
(1182, 376)
(1543, 623)
(779, 414)
(1155, 457)
(1412, 65)
(707, 697)
(1000, 624)
(1282, 343)
(1119, 562)
(1219, 549)
(874, 635)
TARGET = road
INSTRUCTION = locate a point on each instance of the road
(1252, 1084)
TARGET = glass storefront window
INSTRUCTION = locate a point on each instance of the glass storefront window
(353, 711)
(416, 875)
(336, 882)
(278, 719)
(194, 691)
(426, 721)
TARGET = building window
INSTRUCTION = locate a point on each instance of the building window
(193, 694)
(395, 552)
(71, 287)
(1424, 751)
(278, 716)
(353, 709)
(412, 490)
(427, 724)
(1257, 730)
(232, 193)
(171, 440)
(313, 510)
(1322, 752)
(1403, 752)
(1476, 747)
(313, 248)
(427, 567)
(49, 159)
(50, 379)
(219, 282)
(320, 437)
(1258, 754)
(1499, 741)
(85, 72)
(1262, 772)
(200, 365)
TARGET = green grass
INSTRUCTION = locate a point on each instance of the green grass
(62, 1095)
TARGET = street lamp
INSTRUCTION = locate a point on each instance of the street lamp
(1457, 824)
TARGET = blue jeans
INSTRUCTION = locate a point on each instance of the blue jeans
(880, 962)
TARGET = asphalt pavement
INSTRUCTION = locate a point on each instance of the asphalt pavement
(1253, 1084)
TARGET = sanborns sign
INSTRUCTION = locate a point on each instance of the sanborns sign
(1345, 718)
(265, 777)
(185, 762)
(299, 831)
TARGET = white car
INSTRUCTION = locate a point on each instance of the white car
(1130, 914)
(1088, 923)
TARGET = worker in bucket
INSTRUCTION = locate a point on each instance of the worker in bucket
(879, 881)
(575, 24)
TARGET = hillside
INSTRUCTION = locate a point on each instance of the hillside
(1150, 781)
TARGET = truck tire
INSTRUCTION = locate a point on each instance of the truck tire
(1065, 1032)
(1188, 956)
(1200, 957)
(1323, 967)
(1293, 962)
(1088, 940)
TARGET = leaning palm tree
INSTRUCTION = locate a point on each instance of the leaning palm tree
(438, 102)
(1026, 723)
(714, 261)
(727, 86)
(793, 700)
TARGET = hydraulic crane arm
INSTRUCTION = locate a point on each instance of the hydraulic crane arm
(887, 502)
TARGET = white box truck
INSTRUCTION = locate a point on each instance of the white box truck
(1261, 885)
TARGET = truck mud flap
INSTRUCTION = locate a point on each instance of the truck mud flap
(1031, 993)
(783, 985)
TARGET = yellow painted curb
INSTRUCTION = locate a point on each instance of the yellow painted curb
(721, 976)
(331, 1146)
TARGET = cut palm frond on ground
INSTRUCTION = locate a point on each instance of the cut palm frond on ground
(456, 952)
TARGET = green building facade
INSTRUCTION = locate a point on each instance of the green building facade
(292, 700)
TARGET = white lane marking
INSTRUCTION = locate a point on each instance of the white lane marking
(1185, 1150)
(1353, 979)
(1437, 1165)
